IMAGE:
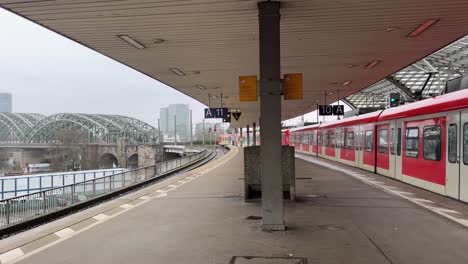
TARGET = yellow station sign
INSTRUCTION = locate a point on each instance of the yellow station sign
(248, 88)
(292, 86)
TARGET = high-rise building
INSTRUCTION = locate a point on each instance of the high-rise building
(181, 113)
(5, 103)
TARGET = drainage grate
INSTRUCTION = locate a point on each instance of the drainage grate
(253, 217)
(267, 260)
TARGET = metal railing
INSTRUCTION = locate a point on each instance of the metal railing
(25, 207)
(20, 185)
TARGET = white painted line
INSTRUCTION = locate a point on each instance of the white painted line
(64, 232)
(145, 198)
(161, 195)
(445, 210)
(126, 206)
(11, 255)
(100, 217)
(160, 191)
(376, 182)
(172, 186)
(404, 193)
(183, 182)
(423, 200)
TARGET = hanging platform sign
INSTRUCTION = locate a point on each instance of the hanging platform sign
(236, 115)
(328, 110)
(216, 113)
(248, 88)
(292, 86)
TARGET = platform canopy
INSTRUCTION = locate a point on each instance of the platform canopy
(201, 47)
(426, 76)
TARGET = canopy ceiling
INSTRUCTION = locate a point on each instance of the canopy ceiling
(213, 42)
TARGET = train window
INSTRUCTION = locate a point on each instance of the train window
(332, 140)
(412, 140)
(465, 143)
(431, 143)
(350, 140)
(398, 147)
(343, 139)
(369, 142)
(358, 140)
(392, 141)
(452, 143)
(383, 140)
(319, 136)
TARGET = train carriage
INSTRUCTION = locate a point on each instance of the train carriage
(424, 143)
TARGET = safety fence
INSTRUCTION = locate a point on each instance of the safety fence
(20, 185)
(25, 207)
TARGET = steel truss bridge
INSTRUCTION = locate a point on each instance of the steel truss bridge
(82, 128)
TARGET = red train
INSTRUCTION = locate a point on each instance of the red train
(424, 143)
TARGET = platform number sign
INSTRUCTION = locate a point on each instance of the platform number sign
(216, 113)
(328, 110)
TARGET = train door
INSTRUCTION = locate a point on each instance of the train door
(359, 137)
(338, 143)
(463, 160)
(311, 141)
(453, 150)
(354, 145)
(383, 157)
(397, 148)
(392, 164)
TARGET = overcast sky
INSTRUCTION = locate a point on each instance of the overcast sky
(48, 74)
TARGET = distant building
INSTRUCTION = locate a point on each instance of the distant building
(181, 112)
(6, 105)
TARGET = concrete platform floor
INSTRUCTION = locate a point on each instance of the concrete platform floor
(337, 219)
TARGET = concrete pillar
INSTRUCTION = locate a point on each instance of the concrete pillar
(254, 139)
(248, 136)
(270, 113)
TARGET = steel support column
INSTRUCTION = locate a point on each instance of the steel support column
(248, 135)
(270, 113)
(254, 137)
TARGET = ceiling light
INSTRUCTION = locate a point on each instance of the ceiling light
(372, 64)
(422, 28)
(347, 82)
(201, 87)
(158, 41)
(177, 71)
(215, 97)
(131, 41)
(330, 93)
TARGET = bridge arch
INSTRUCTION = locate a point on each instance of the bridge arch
(132, 161)
(14, 126)
(93, 129)
(108, 161)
